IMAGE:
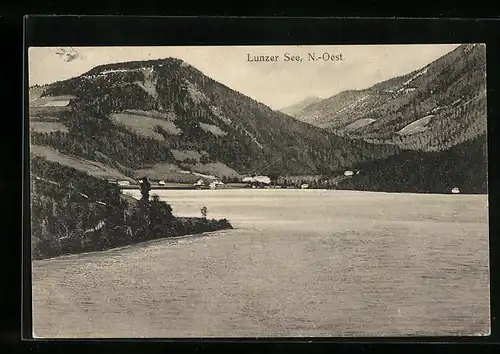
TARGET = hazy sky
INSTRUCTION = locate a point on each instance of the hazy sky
(277, 84)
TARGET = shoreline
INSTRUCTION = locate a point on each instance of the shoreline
(258, 190)
(173, 240)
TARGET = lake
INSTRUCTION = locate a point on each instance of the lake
(298, 263)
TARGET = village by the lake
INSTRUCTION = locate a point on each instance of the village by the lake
(255, 181)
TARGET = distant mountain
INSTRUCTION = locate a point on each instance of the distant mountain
(167, 120)
(430, 109)
(294, 109)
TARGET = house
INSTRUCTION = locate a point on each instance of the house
(157, 182)
(455, 190)
(200, 183)
(304, 186)
(257, 181)
(348, 173)
(247, 179)
(123, 183)
(216, 185)
(262, 179)
(112, 180)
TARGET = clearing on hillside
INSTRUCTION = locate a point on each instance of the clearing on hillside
(217, 169)
(210, 128)
(93, 168)
(186, 173)
(182, 155)
(153, 114)
(144, 125)
(166, 172)
(417, 126)
(47, 127)
(360, 123)
(49, 101)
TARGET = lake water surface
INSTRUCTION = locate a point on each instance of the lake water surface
(298, 263)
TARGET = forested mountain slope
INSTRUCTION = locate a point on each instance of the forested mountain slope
(143, 115)
(296, 108)
(464, 166)
(72, 212)
(430, 109)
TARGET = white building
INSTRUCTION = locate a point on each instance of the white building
(262, 179)
(256, 179)
(216, 185)
(199, 183)
(348, 173)
(455, 190)
(304, 186)
(123, 183)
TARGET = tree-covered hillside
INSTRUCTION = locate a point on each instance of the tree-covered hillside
(136, 113)
(294, 109)
(463, 166)
(72, 212)
(448, 96)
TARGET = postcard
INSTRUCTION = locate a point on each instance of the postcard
(259, 191)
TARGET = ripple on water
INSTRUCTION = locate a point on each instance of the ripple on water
(312, 264)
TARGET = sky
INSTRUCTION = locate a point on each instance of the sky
(277, 84)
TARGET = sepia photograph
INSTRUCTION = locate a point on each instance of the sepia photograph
(259, 191)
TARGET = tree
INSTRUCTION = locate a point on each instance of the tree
(145, 188)
(274, 176)
(204, 212)
(160, 216)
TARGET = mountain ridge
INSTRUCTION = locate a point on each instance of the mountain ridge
(162, 105)
(165, 119)
(295, 108)
(440, 90)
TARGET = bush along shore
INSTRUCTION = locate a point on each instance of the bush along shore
(72, 212)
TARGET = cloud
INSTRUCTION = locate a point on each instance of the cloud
(67, 54)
